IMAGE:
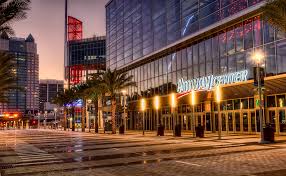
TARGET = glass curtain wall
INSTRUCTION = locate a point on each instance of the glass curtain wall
(136, 28)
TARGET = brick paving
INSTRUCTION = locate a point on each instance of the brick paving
(50, 152)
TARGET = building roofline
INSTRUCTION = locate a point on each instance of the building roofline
(108, 3)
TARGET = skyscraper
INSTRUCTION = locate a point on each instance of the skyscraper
(25, 101)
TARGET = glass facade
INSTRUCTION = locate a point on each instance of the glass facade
(229, 50)
(27, 75)
(48, 91)
(136, 28)
(85, 56)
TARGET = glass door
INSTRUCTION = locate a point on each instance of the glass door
(237, 121)
(223, 121)
(245, 121)
(230, 122)
(272, 118)
(282, 121)
(252, 122)
(208, 122)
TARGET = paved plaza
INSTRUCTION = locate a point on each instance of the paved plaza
(51, 152)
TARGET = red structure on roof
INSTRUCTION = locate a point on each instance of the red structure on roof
(74, 29)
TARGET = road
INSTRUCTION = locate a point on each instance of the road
(47, 152)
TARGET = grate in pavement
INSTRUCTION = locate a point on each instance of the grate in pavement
(6, 166)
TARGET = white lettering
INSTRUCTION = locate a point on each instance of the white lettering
(208, 82)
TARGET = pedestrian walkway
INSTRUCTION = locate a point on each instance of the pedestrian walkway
(30, 154)
(67, 153)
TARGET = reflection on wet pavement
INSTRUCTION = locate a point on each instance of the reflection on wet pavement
(40, 152)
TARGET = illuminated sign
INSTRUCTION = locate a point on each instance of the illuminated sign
(208, 82)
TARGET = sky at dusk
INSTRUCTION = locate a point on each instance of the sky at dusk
(46, 23)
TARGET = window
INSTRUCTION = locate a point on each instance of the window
(248, 38)
(257, 31)
(189, 56)
(270, 60)
(230, 41)
(268, 33)
(281, 56)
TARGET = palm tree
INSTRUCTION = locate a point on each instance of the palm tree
(7, 75)
(274, 12)
(94, 92)
(113, 82)
(81, 93)
(67, 100)
(11, 11)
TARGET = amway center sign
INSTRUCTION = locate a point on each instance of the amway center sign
(208, 82)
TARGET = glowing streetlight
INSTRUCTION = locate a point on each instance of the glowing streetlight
(258, 57)
(157, 106)
(193, 103)
(173, 100)
(143, 108)
(218, 100)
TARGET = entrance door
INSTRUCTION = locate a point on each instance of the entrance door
(245, 121)
(230, 122)
(282, 121)
(208, 121)
(237, 121)
(252, 122)
(223, 121)
(272, 118)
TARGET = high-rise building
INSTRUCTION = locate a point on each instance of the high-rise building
(85, 56)
(49, 88)
(25, 100)
(176, 46)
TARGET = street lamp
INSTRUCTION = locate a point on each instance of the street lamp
(258, 58)
(55, 111)
(173, 100)
(193, 103)
(218, 99)
(87, 113)
(157, 106)
(143, 108)
(124, 104)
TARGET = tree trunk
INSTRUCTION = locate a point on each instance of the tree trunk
(73, 119)
(96, 116)
(113, 110)
(65, 119)
(83, 111)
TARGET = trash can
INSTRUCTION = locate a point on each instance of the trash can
(178, 130)
(96, 128)
(268, 132)
(160, 130)
(121, 129)
(200, 131)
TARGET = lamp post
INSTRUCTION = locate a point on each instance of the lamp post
(193, 102)
(218, 99)
(124, 107)
(258, 57)
(55, 111)
(143, 108)
(157, 106)
(173, 106)
(87, 113)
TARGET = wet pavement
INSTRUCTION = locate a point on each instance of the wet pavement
(47, 152)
